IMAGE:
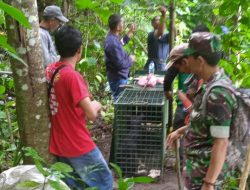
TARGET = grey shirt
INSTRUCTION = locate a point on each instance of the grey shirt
(49, 51)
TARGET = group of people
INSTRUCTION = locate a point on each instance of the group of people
(118, 62)
(71, 104)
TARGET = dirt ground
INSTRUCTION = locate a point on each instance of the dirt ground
(102, 133)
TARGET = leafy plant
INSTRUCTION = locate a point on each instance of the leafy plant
(128, 183)
(54, 174)
(18, 16)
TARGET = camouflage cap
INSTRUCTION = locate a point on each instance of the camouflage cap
(176, 54)
(204, 43)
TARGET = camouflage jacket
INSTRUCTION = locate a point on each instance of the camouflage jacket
(201, 131)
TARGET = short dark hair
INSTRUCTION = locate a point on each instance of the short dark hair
(154, 19)
(212, 59)
(68, 40)
(114, 20)
(200, 28)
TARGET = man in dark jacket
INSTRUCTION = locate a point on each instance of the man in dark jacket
(117, 61)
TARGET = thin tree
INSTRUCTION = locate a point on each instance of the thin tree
(29, 80)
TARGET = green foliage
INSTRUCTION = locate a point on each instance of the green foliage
(128, 183)
(28, 184)
(15, 13)
(10, 153)
(53, 174)
(18, 16)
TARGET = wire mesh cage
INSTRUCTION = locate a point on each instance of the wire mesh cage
(139, 131)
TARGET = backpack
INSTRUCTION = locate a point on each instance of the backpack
(240, 126)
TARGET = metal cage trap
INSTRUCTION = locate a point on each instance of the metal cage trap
(139, 131)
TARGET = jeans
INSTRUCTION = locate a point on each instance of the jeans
(91, 168)
(115, 87)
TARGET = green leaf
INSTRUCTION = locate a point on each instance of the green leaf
(117, 169)
(17, 58)
(10, 50)
(86, 4)
(99, 78)
(4, 44)
(117, 1)
(2, 115)
(57, 185)
(16, 14)
(142, 179)
(246, 82)
(91, 188)
(103, 14)
(62, 167)
(122, 184)
(28, 184)
(2, 89)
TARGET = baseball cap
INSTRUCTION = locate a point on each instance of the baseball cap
(176, 54)
(54, 11)
(203, 43)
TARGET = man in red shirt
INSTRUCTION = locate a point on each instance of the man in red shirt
(71, 106)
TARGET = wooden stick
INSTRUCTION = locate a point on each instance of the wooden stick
(178, 163)
(245, 171)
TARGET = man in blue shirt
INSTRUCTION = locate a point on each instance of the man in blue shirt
(158, 42)
(117, 61)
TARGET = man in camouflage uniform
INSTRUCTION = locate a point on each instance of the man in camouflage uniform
(206, 136)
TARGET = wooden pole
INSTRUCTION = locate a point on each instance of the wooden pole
(245, 171)
(171, 45)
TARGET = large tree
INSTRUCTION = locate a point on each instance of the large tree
(29, 79)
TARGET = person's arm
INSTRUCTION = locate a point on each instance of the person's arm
(172, 137)
(220, 106)
(49, 52)
(160, 30)
(218, 156)
(170, 75)
(90, 108)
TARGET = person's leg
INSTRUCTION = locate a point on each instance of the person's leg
(93, 170)
(72, 181)
(116, 89)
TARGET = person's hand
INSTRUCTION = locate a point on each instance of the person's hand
(132, 57)
(172, 137)
(96, 105)
(163, 10)
(132, 28)
(169, 95)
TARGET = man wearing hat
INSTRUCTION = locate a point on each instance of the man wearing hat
(206, 136)
(52, 19)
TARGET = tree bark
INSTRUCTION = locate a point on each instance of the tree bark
(30, 83)
(67, 6)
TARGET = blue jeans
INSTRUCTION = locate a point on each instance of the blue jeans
(115, 87)
(91, 168)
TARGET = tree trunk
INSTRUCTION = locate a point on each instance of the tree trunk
(30, 82)
(172, 24)
(67, 6)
